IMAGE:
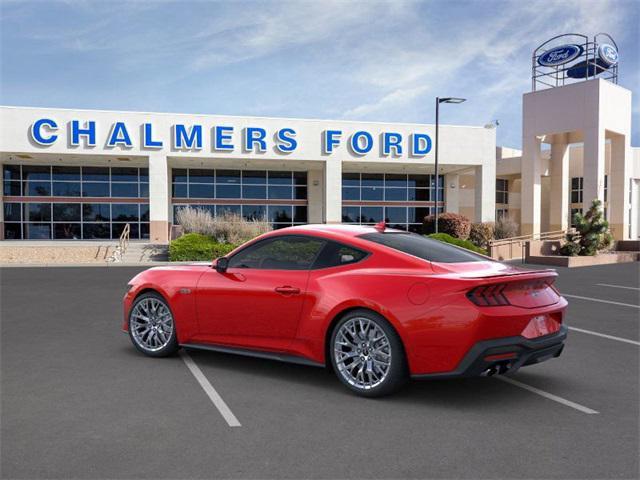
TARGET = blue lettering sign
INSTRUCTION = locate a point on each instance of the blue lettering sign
(420, 144)
(147, 137)
(89, 131)
(222, 136)
(255, 136)
(119, 136)
(286, 140)
(330, 140)
(359, 147)
(37, 134)
(391, 140)
(186, 139)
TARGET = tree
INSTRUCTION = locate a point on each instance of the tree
(591, 235)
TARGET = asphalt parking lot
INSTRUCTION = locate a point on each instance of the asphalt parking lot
(79, 402)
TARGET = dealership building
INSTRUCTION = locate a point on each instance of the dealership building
(85, 174)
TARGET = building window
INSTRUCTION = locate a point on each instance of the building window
(606, 187)
(279, 196)
(502, 190)
(65, 211)
(502, 213)
(576, 190)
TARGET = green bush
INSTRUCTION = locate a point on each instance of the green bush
(592, 233)
(482, 233)
(443, 237)
(197, 247)
(453, 224)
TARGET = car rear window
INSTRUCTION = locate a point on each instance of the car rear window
(423, 247)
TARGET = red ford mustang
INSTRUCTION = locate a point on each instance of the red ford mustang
(378, 305)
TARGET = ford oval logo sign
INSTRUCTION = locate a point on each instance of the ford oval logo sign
(608, 54)
(560, 55)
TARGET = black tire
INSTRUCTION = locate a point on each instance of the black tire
(397, 374)
(167, 346)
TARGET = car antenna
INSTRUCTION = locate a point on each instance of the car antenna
(380, 226)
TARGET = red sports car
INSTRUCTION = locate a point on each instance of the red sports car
(378, 305)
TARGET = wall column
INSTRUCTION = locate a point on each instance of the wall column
(451, 194)
(593, 167)
(333, 191)
(559, 194)
(159, 199)
(485, 192)
(618, 188)
(531, 188)
(315, 193)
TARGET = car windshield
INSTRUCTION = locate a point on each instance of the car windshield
(423, 247)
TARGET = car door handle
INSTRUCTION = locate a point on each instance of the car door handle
(287, 290)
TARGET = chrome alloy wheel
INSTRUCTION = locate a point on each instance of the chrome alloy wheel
(362, 353)
(151, 324)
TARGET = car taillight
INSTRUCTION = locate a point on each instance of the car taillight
(489, 295)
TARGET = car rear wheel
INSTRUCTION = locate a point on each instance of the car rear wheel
(367, 354)
(151, 326)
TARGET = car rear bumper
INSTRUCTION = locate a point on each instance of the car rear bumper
(503, 355)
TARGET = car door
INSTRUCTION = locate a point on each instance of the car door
(257, 302)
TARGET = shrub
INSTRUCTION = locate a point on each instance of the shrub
(443, 237)
(482, 233)
(591, 235)
(505, 227)
(226, 228)
(197, 247)
(452, 224)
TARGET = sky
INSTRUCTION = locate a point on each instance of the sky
(344, 60)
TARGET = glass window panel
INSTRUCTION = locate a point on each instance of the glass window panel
(66, 189)
(300, 178)
(300, 214)
(254, 191)
(201, 175)
(280, 213)
(417, 214)
(351, 179)
(395, 194)
(37, 231)
(372, 179)
(95, 174)
(12, 212)
(395, 180)
(96, 212)
(350, 193)
(200, 190)
(441, 195)
(124, 190)
(229, 209)
(300, 193)
(179, 190)
(66, 173)
(419, 195)
(11, 172)
(36, 172)
(284, 253)
(254, 212)
(280, 192)
(254, 177)
(144, 212)
(372, 193)
(124, 212)
(350, 214)
(124, 174)
(395, 215)
(228, 176)
(144, 190)
(37, 189)
(37, 212)
(415, 228)
(371, 214)
(575, 183)
(12, 231)
(280, 178)
(227, 191)
(96, 230)
(419, 181)
(12, 189)
(179, 175)
(66, 212)
(574, 197)
(95, 189)
(144, 230)
(144, 174)
(278, 226)
(70, 231)
(117, 228)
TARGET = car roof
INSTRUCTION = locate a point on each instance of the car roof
(335, 230)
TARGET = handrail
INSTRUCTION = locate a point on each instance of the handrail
(534, 236)
(123, 244)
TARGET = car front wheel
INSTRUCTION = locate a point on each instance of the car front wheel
(367, 354)
(151, 326)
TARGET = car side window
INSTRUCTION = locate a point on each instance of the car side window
(280, 253)
(335, 254)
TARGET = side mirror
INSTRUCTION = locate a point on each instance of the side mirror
(222, 264)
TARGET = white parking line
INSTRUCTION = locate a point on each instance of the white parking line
(616, 286)
(611, 337)
(601, 301)
(217, 400)
(548, 395)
